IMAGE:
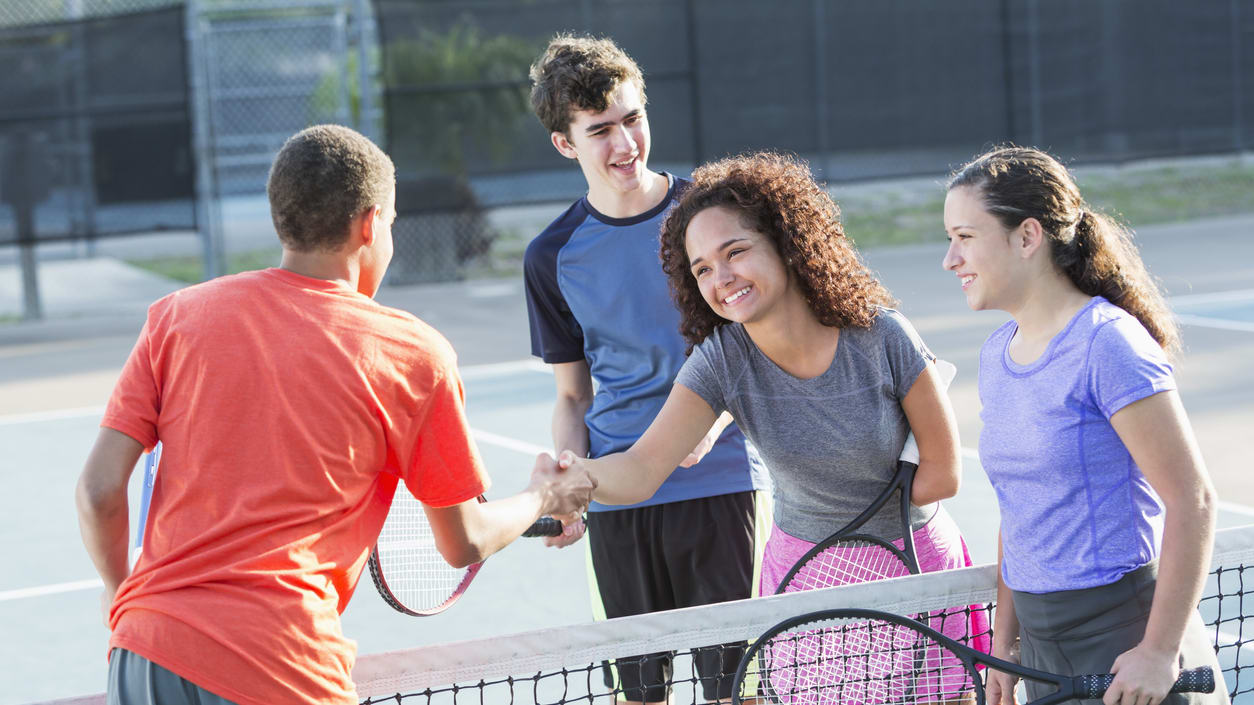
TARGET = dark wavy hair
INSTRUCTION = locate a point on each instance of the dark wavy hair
(578, 73)
(777, 196)
(1094, 251)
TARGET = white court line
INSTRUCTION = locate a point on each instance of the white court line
(469, 372)
(1221, 323)
(54, 415)
(21, 593)
(1214, 297)
(509, 443)
(493, 369)
(482, 437)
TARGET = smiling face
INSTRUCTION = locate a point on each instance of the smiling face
(737, 269)
(982, 253)
(612, 146)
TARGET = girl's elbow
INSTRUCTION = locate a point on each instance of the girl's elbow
(1207, 502)
(943, 480)
(1200, 506)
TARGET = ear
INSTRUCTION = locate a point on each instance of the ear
(368, 220)
(562, 144)
(1030, 237)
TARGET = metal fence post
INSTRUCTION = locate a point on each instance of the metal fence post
(367, 120)
(32, 309)
(208, 207)
(821, 117)
(344, 113)
(1034, 73)
(1238, 79)
(23, 165)
(82, 157)
(694, 84)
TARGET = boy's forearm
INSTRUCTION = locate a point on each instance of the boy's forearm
(569, 430)
(495, 524)
(104, 522)
(101, 500)
(105, 528)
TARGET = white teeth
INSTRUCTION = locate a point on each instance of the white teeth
(968, 279)
(736, 295)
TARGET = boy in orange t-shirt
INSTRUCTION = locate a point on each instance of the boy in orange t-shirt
(290, 404)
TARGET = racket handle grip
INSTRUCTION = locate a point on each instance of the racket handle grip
(1193, 680)
(544, 526)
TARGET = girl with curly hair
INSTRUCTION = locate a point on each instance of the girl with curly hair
(790, 332)
(1085, 440)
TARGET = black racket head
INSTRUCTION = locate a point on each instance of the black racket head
(845, 560)
(407, 568)
(854, 657)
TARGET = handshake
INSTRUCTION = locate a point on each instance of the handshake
(565, 487)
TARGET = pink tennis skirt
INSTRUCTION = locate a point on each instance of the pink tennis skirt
(939, 546)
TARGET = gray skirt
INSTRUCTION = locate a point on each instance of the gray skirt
(1074, 632)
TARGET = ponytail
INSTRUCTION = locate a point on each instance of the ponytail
(1093, 250)
(1101, 259)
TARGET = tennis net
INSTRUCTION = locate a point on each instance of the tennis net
(567, 664)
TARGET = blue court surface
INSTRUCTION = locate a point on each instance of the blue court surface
(1230, 310)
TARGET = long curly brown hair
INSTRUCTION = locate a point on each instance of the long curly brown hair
(776, 196)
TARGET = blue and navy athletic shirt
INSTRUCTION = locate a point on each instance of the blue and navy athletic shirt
(596, 292)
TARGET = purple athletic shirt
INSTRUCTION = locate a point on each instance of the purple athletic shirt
(1076, 512)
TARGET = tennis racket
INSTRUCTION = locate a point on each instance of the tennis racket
(849, 556)
(407, 569)
(859, 657)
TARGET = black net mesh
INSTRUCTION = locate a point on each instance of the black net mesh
(694, 675)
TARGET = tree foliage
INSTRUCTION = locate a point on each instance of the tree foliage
(455, 93)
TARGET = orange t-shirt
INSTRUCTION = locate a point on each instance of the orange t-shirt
(288, 408)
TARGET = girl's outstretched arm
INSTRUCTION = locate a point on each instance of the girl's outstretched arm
(635, 474)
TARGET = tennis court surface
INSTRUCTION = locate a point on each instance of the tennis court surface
(564, 664)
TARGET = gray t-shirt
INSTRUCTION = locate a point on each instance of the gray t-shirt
(831, 442)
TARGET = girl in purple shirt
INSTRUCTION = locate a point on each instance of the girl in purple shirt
(1085, 440)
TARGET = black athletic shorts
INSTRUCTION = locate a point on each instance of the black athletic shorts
(668, 556)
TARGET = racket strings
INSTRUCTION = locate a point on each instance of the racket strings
(860, 663)
(412, 567)
(845, 562)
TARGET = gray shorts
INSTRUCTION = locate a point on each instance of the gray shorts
(1074, 632)
(134, 680)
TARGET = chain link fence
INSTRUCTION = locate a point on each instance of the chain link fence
(864, 91)
(94, 132)
(142, 104)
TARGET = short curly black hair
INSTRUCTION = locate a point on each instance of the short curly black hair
(322, 178)
(578, 73)
(774, 195)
